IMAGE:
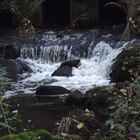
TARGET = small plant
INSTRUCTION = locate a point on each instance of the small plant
(124, 123)
(6, 116)
(23, 9)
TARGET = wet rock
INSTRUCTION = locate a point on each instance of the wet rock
(71, 63)
(59, 35)
(63, 71)
(15, 68)
(75, 98)
(127, 65)
(51, 91)
(99, 100)
(9, 52)
(66, 68)
(42, 114)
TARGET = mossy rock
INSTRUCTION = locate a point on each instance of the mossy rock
(130, 52)
(100, 99)
(75, 98)
(127, 65)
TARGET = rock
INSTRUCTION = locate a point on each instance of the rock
(127, 65)
(15, 68)
(99, 99)
(66, 68)
(63, 71)
(51, 91)
(71, 63)
(9, 52)
(59, 35)
(83, 123)
(75, 98)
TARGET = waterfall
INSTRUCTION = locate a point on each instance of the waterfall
(44, 56)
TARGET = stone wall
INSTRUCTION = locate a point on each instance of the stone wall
(84, 12)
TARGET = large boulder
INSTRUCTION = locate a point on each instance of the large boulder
(51, 91)
(15, 67)
(63, 71)
(71, 63)
(66, 68)
(9, 52)
(127, 65)
(100, 99)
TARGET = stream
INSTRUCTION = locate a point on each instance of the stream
(45, 52)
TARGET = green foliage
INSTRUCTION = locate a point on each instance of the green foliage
(38, 135)
(4, 80)
(124, 123)
(6, 116)
(21, 8)
(3, 75)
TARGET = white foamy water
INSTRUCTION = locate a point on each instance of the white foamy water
(47, 54)
(92, 71)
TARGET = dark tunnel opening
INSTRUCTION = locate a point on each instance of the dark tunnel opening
(6, 19)
(56, 13)
(111, 14)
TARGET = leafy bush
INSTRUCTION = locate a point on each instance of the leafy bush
(124, 123)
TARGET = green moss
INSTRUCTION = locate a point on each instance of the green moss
(39, 135)
(99, 96)
(27, 136)
(127, 65)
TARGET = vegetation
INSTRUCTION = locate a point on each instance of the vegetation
(39, 135)
(6, 117)
(120, 110)
(124, 122)
(21, 8)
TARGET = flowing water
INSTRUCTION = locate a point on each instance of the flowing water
(47, 51)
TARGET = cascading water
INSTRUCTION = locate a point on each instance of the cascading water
(45, 56)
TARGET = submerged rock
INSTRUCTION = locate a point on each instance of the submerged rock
(127, 65)
(51, 91)
(66, 68)
(9, 52)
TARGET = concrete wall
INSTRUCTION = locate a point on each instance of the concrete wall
(84, 12)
